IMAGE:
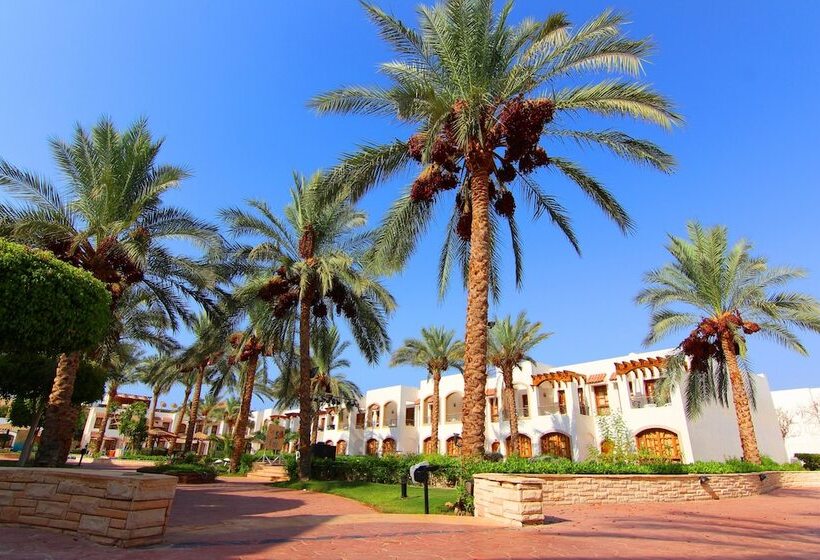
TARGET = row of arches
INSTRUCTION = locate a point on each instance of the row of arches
(388, 446)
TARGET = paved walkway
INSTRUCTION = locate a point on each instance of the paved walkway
(237, 519)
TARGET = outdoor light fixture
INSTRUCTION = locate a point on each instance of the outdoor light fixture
(704, 479)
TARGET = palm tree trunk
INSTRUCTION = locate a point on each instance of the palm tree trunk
(314, 433)
(512, 413)
(745, 424)
(25, 454)
(436, 412)
(97, 444)
(178, 425)
(305, 403)
(479, 163)
(58, 425)
(151, 417)
(72, 414)
(189, 433)
(240, 432)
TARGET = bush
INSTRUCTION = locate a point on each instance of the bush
(178, 468)
(147, 455)
(394, 468)
(48, 305)
(811, 461)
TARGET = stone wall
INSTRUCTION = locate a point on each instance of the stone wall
(525, 499)
(110, 507)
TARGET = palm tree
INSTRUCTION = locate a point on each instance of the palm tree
(327, 349)
(725, 295)
(437, 350)
(111, 221)
(228, 412)
(140, 322)
(160, 372)
(481, 94)
(304, 266)
(509, 346)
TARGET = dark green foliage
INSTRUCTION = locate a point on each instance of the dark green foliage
(179, 468)
(133, 424)
(47, 305)
(811, 461)
(30, 376)
(392, 469)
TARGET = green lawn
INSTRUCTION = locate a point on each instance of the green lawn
(383, 497)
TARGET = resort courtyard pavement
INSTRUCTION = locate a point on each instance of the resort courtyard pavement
(238, 519)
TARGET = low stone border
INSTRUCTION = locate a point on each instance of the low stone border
(525, 499)
(110, 507)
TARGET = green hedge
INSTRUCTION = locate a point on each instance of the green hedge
(48, 305)
(392, 469)
(179, 468)
(811, 461)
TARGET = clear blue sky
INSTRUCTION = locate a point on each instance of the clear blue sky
(227, 86)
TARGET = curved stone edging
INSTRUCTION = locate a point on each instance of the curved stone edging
(525, 499)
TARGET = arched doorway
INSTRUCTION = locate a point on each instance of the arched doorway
(557, 444)
(453, 446)
(495, 447)
(341, 447)
(660, 443)
(429, 447)
(372, 447)
(524, 446)
(388, 446)
(329, 442)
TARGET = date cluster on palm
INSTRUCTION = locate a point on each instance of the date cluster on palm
(247, 349)
(282, 291)
(517, 129)
(703, 343)
(108, 263)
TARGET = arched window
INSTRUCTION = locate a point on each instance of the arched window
(660, 443)
(524, 446)
(557, 444)
(453, 446)
(452, 407)
(388, 446)
(372, 447)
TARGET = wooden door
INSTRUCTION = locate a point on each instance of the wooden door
(388, 446)
(341, 447)
(372, 447)
(557, 444)
(495, 447)
(601, 400)
(453, 446)
(562, 402)
(524, 446)
(428, 446)
(660, 443)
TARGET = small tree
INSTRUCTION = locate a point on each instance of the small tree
(785, 420)
(134, 424)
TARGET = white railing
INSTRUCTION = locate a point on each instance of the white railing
(643, 401)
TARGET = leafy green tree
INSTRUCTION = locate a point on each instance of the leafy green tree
(509, 347)
(437, 350)
(110, 220)
(305, 266)
(133, 424)
(723, 294)
(484, 96)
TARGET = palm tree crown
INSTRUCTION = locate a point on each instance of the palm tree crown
(436, 350)
(722, 294)
(482, 94)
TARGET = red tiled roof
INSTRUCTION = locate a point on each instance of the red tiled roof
(596, 378)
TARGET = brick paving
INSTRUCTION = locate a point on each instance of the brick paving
(236, 519)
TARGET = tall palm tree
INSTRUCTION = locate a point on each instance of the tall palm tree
(305, 266)
(228, 412)
(160, 372)
(723, 294)
(109, 219)
(437, 350)
(140, 322)
(327, 349)
(482, 93)
(509, 346)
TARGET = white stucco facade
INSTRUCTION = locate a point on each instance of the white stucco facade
(799, 411)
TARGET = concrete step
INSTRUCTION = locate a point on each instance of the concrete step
(269, 473)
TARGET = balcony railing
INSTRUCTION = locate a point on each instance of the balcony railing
(643, 401)
(524, 411)
(584, 409)
(452, 418)
(392, 423)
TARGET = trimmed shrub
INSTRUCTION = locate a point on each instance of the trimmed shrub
(47, 305)
(811, 461)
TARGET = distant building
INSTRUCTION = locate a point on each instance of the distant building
(798, 412)
(558, 410)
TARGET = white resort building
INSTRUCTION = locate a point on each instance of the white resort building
(558, 410)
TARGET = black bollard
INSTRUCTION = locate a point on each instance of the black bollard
(403, 488)
(426, 499)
